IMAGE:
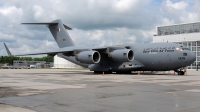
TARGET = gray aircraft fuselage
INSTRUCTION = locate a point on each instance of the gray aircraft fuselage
(147, 57)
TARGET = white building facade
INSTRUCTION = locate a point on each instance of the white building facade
(185, 34)
(63, 63)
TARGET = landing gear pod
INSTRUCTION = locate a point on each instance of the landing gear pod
(122, 55)
(88, 57)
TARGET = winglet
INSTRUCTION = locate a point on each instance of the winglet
(8, 51)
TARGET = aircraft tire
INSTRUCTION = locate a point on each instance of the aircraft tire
(98, 72)
(124, 72)
(108, 72)
(182, 73)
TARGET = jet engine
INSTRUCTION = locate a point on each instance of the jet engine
(88, 57)
(122, 55)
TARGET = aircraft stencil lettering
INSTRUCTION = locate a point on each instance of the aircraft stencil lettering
(165, 49)
(117, 58)
(181, 58)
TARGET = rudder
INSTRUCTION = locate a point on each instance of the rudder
(60, 34)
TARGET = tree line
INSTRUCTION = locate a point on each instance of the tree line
(9, 59)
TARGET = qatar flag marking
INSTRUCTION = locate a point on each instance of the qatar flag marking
(58, 29)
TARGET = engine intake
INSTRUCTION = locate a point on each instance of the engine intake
(122, 55)
(88, 57)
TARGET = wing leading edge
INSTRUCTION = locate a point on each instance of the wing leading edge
(68, 51)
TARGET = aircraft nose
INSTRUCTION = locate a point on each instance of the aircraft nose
(192, 57)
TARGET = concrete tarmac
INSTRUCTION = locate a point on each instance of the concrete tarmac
(65, 90)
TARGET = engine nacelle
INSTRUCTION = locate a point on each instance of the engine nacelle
(122, 55)
(88, 57)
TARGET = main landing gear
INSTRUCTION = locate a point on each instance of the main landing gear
(110, 72)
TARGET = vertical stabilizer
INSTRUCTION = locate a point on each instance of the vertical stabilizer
(57, 29)
(60, 35)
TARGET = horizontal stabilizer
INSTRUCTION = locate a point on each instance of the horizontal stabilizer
(67, 27)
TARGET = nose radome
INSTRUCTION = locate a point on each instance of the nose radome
(192, 57)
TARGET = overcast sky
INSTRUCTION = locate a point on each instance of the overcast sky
(94, 22)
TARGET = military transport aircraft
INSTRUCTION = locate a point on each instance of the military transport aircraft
(118, 58)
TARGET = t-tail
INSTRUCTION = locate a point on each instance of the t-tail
(57, 29)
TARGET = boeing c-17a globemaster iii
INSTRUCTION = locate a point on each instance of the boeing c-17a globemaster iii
(119, 58)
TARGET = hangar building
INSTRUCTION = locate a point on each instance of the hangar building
(187, 34)
(63, 63)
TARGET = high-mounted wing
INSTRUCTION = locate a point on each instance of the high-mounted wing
(88, 55)
(68, 51)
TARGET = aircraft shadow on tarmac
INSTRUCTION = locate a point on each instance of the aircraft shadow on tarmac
(133, 73)
(77, 72)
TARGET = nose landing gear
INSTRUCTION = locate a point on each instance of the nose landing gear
(179, 72)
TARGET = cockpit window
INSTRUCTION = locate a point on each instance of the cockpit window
(184, 54)
(187, 49)
(182, 49)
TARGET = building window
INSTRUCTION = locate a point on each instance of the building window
(189, 44)
(179, 29)
(193, 43)
(194, 64)
(198, 43)
(193, 48)
(184, 43)
(196, 29)
(198, 53)
(193, 67)
(198, 63)
(198, 48)
(198, 58)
